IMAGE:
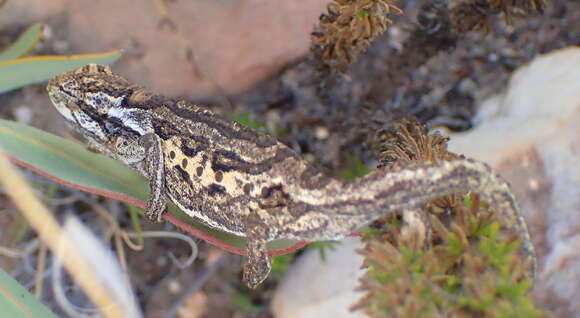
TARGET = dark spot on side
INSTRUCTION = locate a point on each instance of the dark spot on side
(203, 160)
(274, 196)
(219, 176)
(248, 187)
(215, 189)
(183, 173)
(268, 191)
(184, 163)
(172, 154)
(199, 171)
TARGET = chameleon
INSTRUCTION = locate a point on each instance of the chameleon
(242, 181)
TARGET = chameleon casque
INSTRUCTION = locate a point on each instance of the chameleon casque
(244, 182)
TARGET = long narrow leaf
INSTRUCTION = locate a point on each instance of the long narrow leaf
(17, 302)
(29, 70)
(24, 44)
(71, 164)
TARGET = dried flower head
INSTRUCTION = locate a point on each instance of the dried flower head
(408, 140)
(348, 28)
(473, 14)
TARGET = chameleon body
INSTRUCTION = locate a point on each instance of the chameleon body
(241, 181)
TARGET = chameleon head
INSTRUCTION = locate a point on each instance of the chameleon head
(94, 102)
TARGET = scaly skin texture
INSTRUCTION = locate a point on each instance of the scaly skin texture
(243, 182)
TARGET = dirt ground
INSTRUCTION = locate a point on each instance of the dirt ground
(253, 56)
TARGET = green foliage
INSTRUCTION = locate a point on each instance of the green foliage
(17, 302)
(467, 201)
(243, 301)
(322, 247)
(474, 270)
(281, 264)
(371, 233)
(362, 14)
(459, 263)
(18, 71)
(134, 213)
(25, 71)
(18, 229)
(354, 167)
(248, 118)
(24, 44)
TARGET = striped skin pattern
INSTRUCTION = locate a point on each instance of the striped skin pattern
(241, 181)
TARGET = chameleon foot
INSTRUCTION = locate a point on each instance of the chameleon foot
(257, 268)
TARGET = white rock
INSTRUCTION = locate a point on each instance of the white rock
(531, 134)
(317, 288)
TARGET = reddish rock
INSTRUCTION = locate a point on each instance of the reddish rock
(198, 48)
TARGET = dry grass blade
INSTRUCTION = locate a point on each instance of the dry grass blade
(50, 232)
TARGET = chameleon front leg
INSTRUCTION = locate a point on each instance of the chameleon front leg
(258, 265)
(154, 167)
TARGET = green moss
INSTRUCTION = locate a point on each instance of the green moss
(472, 270)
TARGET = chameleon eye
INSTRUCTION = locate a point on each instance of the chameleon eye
(100, 101)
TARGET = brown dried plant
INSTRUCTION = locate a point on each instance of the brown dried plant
(470, 15)
(348, 28)
(465, 265)
(407, 140)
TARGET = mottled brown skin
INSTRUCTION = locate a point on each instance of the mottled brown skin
(243, 182)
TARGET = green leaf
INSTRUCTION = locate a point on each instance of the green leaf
(16, 302)
(136, 222)
(322, 247)
(280, 265)
(24, 44)
(18, 229)
(71, 164)
(362, 14)
(248, 118)
(20, 72)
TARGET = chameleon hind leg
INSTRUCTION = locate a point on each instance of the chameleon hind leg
(258, 264)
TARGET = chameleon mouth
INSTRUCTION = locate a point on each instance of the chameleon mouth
(51, 89)
(55, 91)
